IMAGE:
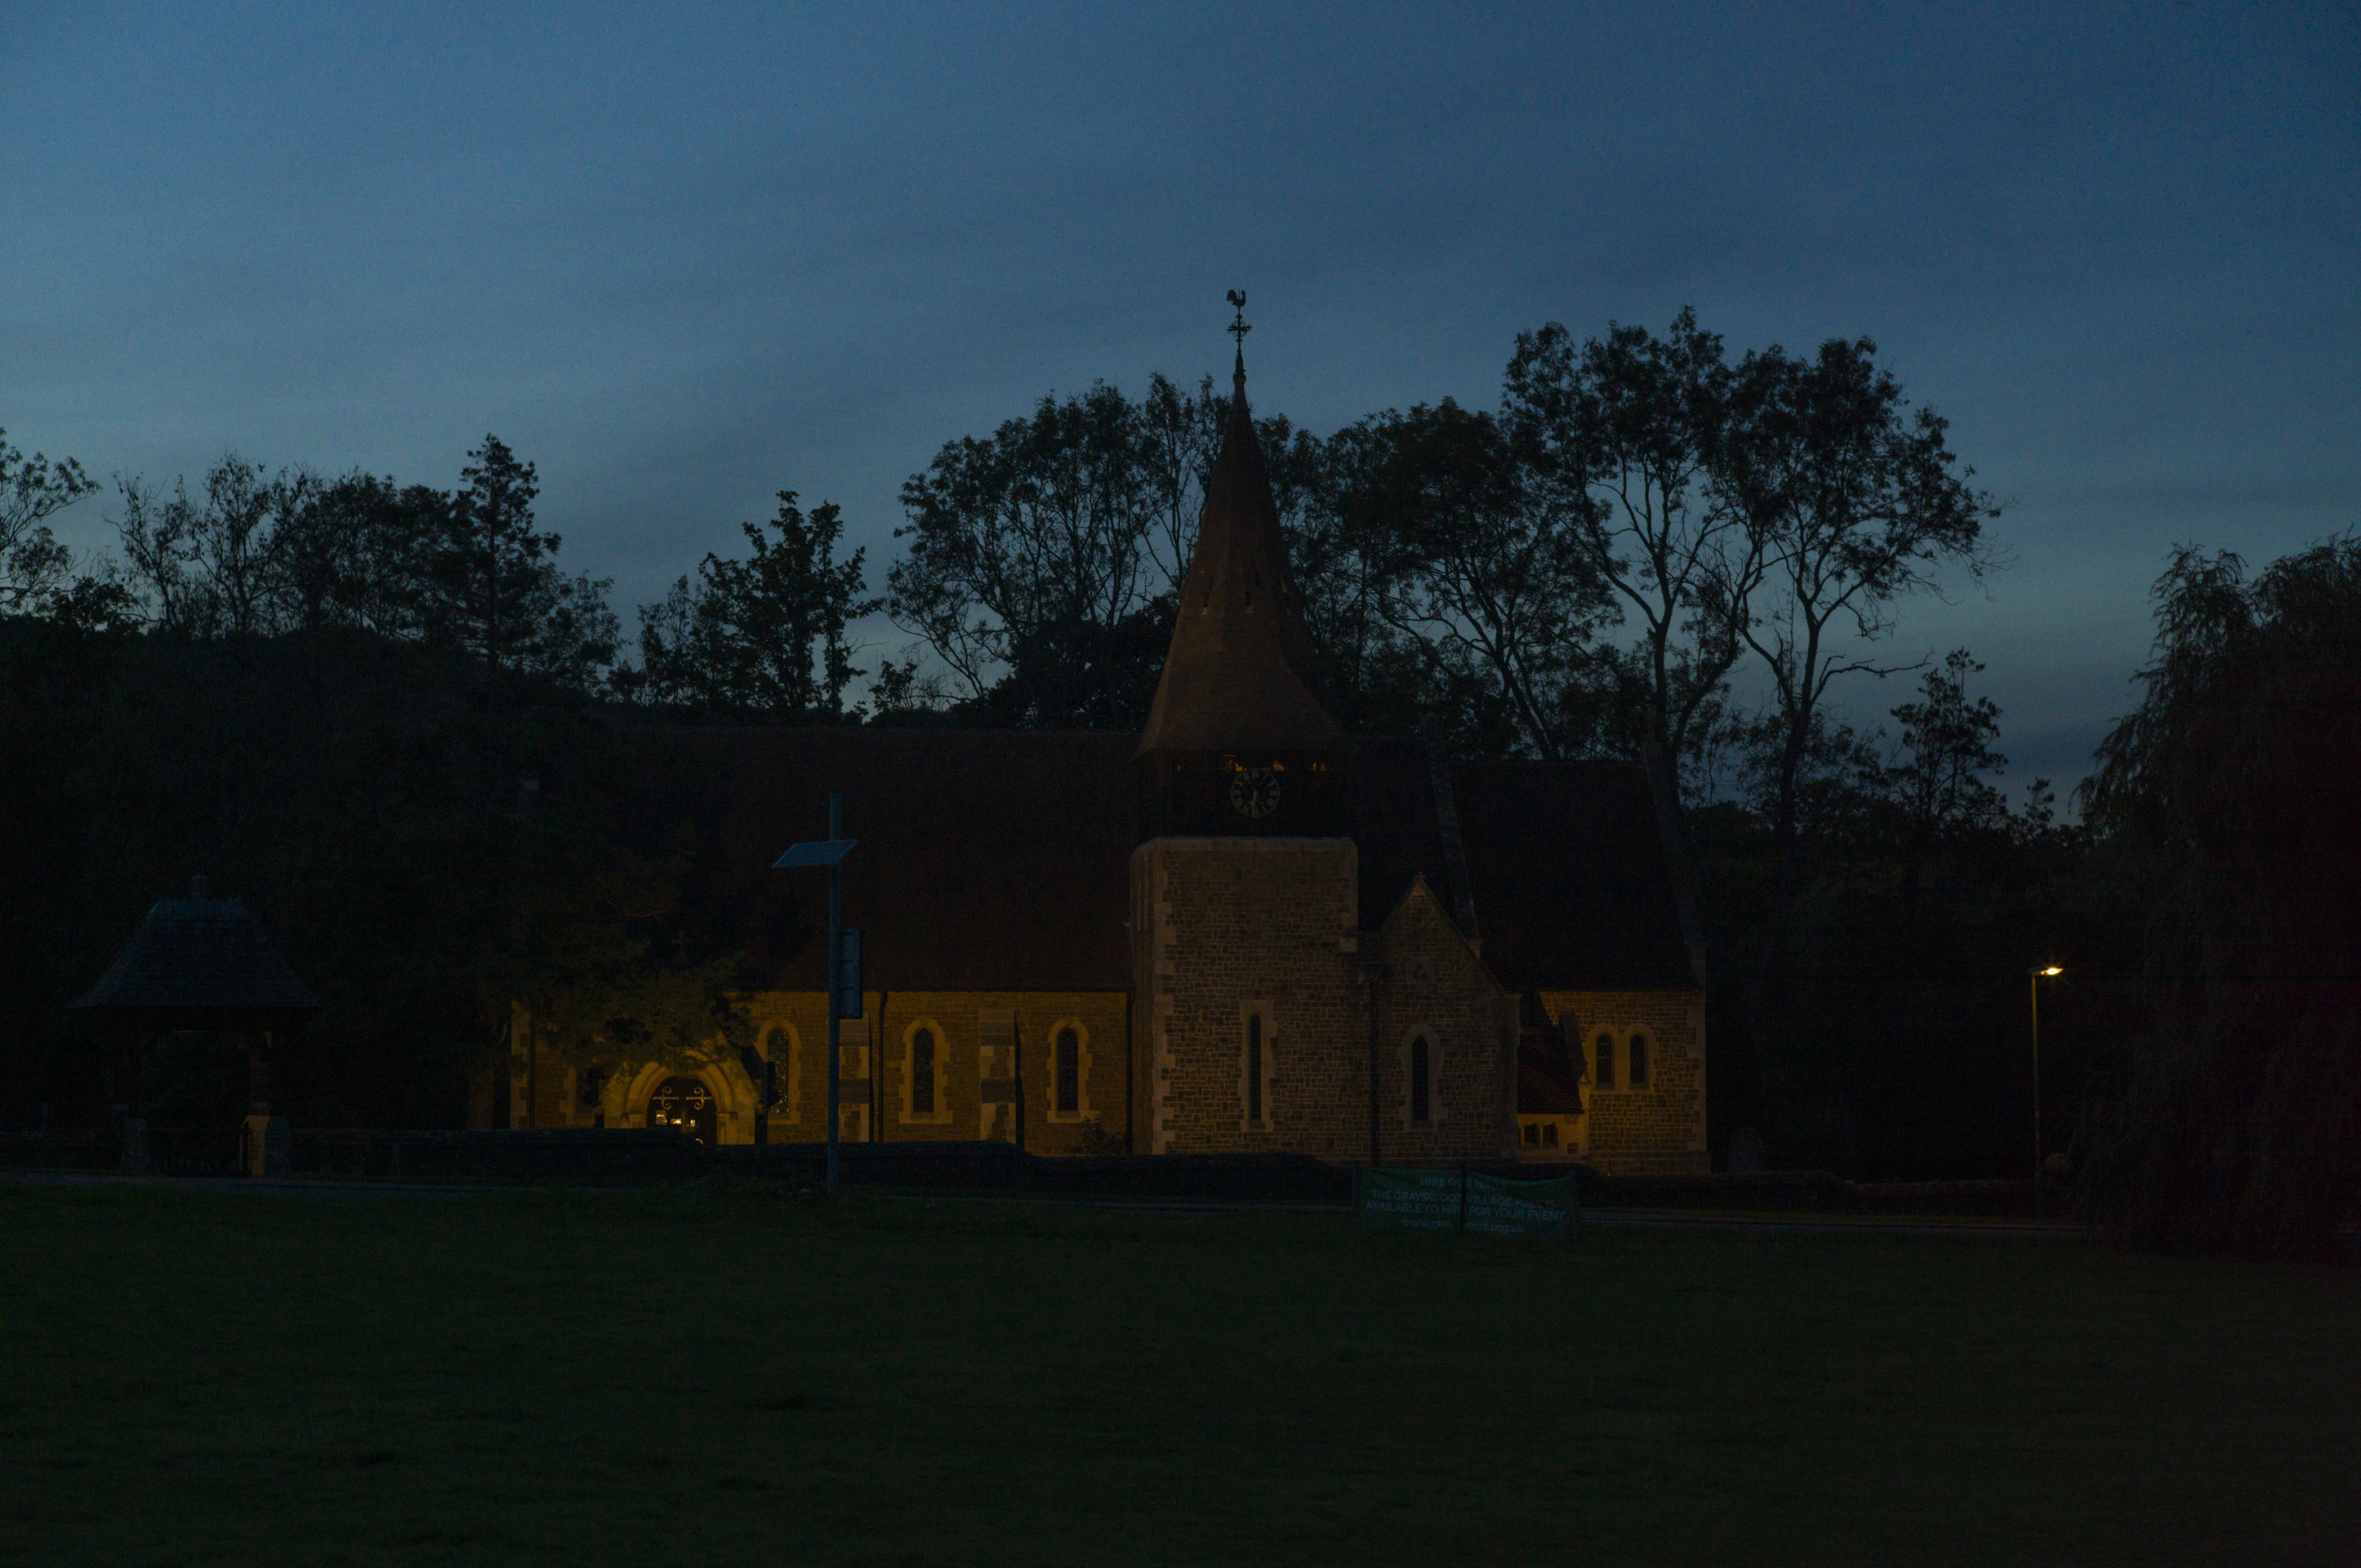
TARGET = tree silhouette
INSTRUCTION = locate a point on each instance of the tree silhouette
(765, 637)
(2231, 797)
(499, 592)
(35, 569)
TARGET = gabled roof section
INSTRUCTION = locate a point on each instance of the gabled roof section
(989, 859)
(1240, 674)
(200, 956)
(1570, 877)
(999, 860)
(1565, 865)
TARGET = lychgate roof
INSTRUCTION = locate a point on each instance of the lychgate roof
(204, 958)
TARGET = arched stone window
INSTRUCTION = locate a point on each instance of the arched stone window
(1067, 1049)
(922, 1072)
(1421, 1081)
(1638, 1061)
(1603, 1075)
(1418, 1057)
(925, 1072)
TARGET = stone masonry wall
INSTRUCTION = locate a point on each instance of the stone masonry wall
(979, 1037)
(1222, 926)
(1654, 1130)
(1435, 985)
(991, 1043)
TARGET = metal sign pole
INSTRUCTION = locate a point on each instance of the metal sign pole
(830, 852)
(835, 957)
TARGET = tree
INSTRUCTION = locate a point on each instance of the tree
(2230, 798)
(1178, 435)
(1482, 583)
(215, 567)
(263, 554)
(1856, 504)
(603, 971)
(765, 636)
(157, 533)
(1032, 570)
(357, 554)
(35, 569)
(500, 594)
(1622, 436)
(1946, 748)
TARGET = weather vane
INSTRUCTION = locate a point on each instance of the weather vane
(1238, 328)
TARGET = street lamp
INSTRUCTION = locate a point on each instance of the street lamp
(2034, 978)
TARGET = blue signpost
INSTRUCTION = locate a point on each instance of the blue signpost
(843, 956)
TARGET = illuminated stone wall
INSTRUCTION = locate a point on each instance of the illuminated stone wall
(1220, 926)
(1656, 1129)
(1226, 928)
(990, 1047)
(1435, 985)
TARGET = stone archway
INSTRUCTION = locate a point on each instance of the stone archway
(684, 1102)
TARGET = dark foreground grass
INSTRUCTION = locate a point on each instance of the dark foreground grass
(719, 1377)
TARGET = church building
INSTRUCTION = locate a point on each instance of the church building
(1242, 929)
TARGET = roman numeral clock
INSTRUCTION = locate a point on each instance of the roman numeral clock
(1254, 792)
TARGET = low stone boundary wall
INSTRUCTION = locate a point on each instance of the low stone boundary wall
(1003, 1167)
(78, 1148)
(627, 1157)
(642, 1157)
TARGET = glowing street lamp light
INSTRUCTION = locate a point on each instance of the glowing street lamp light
(2033, 977)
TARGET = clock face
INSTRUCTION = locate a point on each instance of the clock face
(1254, 792)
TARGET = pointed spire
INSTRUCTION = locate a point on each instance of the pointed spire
(1241, 672)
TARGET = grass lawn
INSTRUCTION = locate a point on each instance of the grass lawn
(717, 1378)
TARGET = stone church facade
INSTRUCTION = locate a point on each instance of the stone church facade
(1243, 929)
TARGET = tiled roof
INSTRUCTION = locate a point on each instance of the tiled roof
(1539, 1092)
(999, 860)
(1565, 864)
(1570, 878)
(200, 956)
(1240, 673)
(988, 860)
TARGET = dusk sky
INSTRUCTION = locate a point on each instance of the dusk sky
(684, 257)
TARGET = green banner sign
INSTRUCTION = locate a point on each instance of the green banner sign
(1463, 1201)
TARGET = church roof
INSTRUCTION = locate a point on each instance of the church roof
(1565, 864)
(1240, 675)
(199, 957)
(1000, 860)
(988, 860)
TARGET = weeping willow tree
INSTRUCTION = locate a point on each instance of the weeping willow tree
(2233, 795)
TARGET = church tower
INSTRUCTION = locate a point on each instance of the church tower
(1237, 742)
(1251, 1010)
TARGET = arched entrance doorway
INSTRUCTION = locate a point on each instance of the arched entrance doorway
(683, 1102)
